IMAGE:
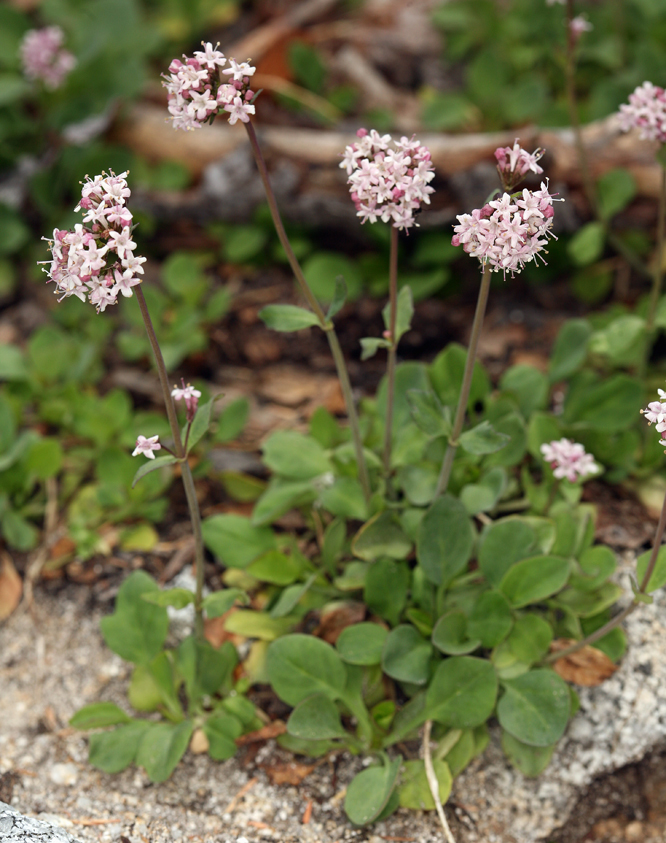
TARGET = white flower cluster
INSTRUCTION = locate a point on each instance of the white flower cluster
(388, 183)
(646, 111)
(508, 232)
(197, 91)
(655, 413)
(568, 459)
(96, 260)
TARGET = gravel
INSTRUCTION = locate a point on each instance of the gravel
(56, 662)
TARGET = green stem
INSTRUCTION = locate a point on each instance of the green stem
(635, 603)
(458, 422)
(179, 450)
(551, 496)
(392, 351)
(326, 326)
(659, 257)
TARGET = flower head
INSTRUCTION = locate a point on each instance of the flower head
(655, 413)
(198, 92)
(568, 459)
(508, 232)
(96, 260)
(513, 163)
(645, 111)
(147, 446)
(578, 26)
(44, 58)
(388, 182)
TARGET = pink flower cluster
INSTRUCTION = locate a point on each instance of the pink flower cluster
(515, 162)
(197, 91)
(646, 111)
(43, 57)
(655, 413)
(568, 459)
(388, 183)
(508, 232)
(96, 260)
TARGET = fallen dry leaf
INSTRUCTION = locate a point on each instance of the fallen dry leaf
(287, 772)
(271, 730)
(11, 587)
(332, 623)
(587, 666)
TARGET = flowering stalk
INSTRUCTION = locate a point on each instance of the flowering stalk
(388, 183)
(646, 111)
(572, 36)
(392, 349)
(96, 261)
(325, 324)
(452, 447)
(197, 93)
(180, 453)
(504, 235)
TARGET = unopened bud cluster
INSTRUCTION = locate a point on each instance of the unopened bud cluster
(388, 182)
(96, 260)
(198, 90)
(646, 111)
(568, 459)
(44, 58)
(514, 162)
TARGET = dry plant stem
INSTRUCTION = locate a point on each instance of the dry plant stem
(458, 422)
(659, 257)
(186, 473)
(433, 784)
(392, 351)
(635, 603)
(326, 326)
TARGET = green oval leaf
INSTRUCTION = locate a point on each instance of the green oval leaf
(113, 751)
(451, 637)
(535, 707)
(444, 540)
(287, 317)
(362, 643)
(98, 715)
(370, 791)
(535, 579)
(162, 748)
(503, 544)
(406, 655)
(136, 631)
(300, 665)
(462, 692)
(316, 718)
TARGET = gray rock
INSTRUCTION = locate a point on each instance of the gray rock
(15, 828)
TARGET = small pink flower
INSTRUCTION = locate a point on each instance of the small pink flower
(578, 26)
(568, 459)
(147, 446)
(189, 395)
(513, 163)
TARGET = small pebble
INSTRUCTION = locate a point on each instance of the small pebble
(64, 774)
